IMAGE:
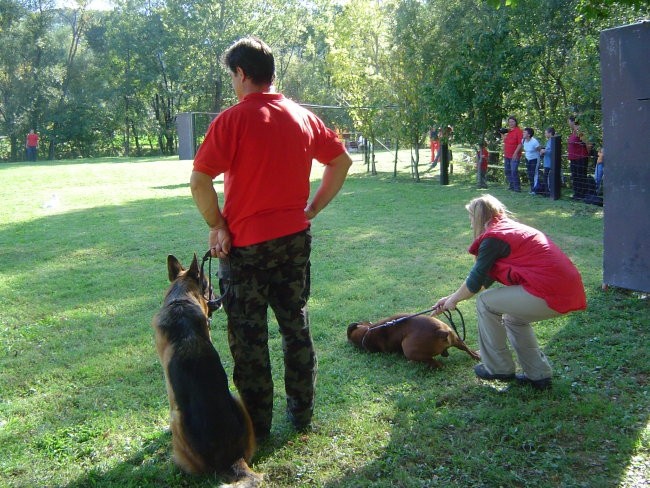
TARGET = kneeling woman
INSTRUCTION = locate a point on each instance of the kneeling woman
(541, 283)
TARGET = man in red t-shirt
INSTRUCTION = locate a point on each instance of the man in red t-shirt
(264, 146)
(31, 145)
(511, 156)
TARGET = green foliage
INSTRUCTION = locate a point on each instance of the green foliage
(410, 59)
(471, 85)
(111, 82)
(358, 60)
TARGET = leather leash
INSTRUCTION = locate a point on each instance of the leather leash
(214, 303)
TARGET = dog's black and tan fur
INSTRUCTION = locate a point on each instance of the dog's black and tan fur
(211, 430)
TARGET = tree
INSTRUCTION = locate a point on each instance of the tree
(76, 20)
(411, 60)
(26, 56)
(358, 60)
(474, 68)
(110, 82)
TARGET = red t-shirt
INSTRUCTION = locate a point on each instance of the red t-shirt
(32, 140)
(264, 146)
(576, 149)
(511, 141)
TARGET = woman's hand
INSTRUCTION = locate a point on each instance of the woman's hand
(445, 303)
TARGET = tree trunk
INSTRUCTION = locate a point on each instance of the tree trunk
(13, 145)
(138, 150)
(415, 158)
(396, 155)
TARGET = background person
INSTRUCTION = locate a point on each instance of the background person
(545, 152)
(531, 147)
(540, 282)
(598, 173)
(264, 145)
(31, 145)
(578, 155)
(511, 141)
(434, 143)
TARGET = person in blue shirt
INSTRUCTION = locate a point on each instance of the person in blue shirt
(545, 152)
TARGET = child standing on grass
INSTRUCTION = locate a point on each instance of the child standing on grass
(434, 141)
(598, 176)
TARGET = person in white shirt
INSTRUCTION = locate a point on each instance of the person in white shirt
(531, 148)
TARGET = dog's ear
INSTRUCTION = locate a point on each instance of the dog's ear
(352, 327)
(174, 268)
(194, 268)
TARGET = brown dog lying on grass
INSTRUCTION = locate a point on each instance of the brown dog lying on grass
(211, 430)
(419, 338)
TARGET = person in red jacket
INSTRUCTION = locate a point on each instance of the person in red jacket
(512, 153)
(540, 282)
(578, 156)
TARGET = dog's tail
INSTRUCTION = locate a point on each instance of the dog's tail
(245, 477)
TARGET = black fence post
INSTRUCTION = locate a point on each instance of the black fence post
(555, 176)
(444, 163)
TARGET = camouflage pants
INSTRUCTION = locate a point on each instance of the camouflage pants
(275, 273)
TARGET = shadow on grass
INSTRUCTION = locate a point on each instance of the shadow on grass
(87, 161)
(149, 466)
(466, 432)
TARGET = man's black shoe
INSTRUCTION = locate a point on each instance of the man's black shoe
(542, 384)
(261, 434)
(302, 424)
(482, 372)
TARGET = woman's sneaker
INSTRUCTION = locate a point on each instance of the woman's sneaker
(542, 384)
(482, 372)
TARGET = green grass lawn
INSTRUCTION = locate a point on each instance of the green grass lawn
(82, 398)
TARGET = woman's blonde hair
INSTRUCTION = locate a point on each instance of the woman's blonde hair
(482, 210)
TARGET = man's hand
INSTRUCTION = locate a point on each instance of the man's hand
(310, 213)
(219, 241)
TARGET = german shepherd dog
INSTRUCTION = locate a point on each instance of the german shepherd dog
(211, 429)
